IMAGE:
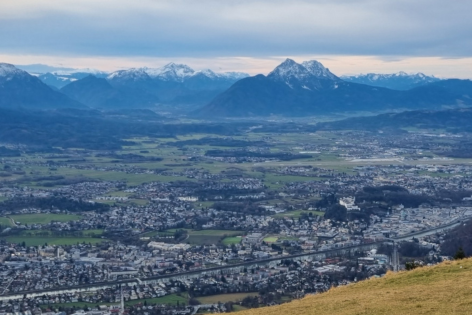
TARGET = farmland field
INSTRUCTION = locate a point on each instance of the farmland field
(208, 237)
(271, 239)
(38, 241)
(231, 240)
(223, 298)
(5, 222)
(172, 299)
(215, 232)
(43, 218)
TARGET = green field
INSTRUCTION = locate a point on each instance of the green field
(38, 241)
(231, 240)
(288, 238)
(223, 298)
(171, 299)
(215, 232)
(5, 221)
(43, 218)
(271, 239)
(48, 233)
(209, 237)
(203, 239)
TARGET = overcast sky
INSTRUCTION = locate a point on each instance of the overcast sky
(348, 36)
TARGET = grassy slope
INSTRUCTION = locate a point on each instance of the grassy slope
(442, 289)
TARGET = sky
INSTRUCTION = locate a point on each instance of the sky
(253, 36)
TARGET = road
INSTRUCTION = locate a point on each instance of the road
(195, 273)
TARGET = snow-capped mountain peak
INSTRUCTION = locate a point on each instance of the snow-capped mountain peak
(9, 70)
(234, 75)
(399, 81)
(289, 69)
(308, 71)
(171, 71)
(318, 70)
(208, 73)
(134, 74)
(75, 71)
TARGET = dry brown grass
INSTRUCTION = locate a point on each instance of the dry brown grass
(442, 289)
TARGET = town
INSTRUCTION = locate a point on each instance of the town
(178, 227)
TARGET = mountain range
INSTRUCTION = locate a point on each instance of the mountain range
(142, 87)
(175, 83)
(20, 89)
(291, 89)
(59, 79)
(394, 81)
(99, 93)
(309, 88)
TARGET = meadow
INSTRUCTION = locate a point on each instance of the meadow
(43, 218)
(40, 240)
(208, 237)
(223, 298)
(171, 299)
(231, 240)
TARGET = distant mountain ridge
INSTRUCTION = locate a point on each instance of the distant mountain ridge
(20, 89)
(176, 83)
(395, 81)
(169, 72)
(60, 79)
(291, 89)
(98, 93)
(294, 89)
(171, 84)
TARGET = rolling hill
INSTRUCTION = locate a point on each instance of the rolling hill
(441, 289)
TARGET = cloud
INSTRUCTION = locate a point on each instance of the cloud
(349, 36)
(218, 28)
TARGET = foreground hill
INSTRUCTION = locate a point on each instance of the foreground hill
(442, 289)
(293, 89)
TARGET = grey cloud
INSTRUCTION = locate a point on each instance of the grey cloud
(232, 28)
